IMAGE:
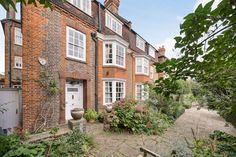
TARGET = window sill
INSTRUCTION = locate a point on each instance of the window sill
(17, 68)
(18, 44)
(114, 66)
(76, 60)
(142, 74)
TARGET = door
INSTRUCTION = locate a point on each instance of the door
(74, 98)
(10, 101)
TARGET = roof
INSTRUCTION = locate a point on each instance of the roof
(127, 23)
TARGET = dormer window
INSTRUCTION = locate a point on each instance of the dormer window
(84, 5)
(152, 52)
(113, 23)
(140, 43)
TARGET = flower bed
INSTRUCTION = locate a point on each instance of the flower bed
(73, 144)
(127, 115)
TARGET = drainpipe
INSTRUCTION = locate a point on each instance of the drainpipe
(95, 39)
(94, 36)
(99, 18)
(10, 56)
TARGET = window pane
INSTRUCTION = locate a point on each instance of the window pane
(108, 55)
(139, 92)
(108, 92)
(76, 47)
(119, 90)
(119, 55)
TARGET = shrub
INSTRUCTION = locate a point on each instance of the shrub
(73, 144)
(128, 116)
(220, 144)
(90, 114)
(101, 117)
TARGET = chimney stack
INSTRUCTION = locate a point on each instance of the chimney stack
(11, 14)
(162, 51)
(112, 5)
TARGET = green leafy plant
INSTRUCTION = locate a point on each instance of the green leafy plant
(54, 131)
(219, 144)
(90, 115)
(101, 117)
(7, 4)
(53, 87)
(208, 54)
(127, 116)
(73, 144)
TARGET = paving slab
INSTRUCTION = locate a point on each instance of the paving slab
(202, 122)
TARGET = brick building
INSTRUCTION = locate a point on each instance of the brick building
(2, 80)
(13, 51)
(80, 54)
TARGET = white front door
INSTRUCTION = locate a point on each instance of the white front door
(74, 98)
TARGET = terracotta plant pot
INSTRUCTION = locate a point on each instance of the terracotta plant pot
(77, 113)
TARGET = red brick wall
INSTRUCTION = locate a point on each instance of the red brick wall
(16, 50)
(45, 37)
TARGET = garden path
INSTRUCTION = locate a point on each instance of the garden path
(201, 121)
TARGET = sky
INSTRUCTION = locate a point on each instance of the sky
(157, 21)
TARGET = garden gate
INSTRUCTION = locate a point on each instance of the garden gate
(10, 109)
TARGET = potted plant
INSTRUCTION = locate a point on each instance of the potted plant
(77, 113)
(109, 108)
(90, 115)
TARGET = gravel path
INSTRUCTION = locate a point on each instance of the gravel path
(202, 122)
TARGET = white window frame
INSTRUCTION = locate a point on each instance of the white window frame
(18, 36)
(151, 72)
(113, 23)
(114, 91)
(114, 54)
(18, 62)
(80, 4)
(67, 44)
(17, 86)
(152, 51)
(140, 43)
(143, 62)
(144, 94)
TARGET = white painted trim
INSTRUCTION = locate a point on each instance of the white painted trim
(143, 86)
(143, 56)
(113, 38)
(67, 45)
(20, 58)
(18, 32)
(114, 81)
(151, 72)
(151, 49)
(142, 40)
(114, 51)
(81, 5)
(113, 18)
(142, 73)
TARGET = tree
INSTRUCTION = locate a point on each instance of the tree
(207, 43)
(7, 4)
